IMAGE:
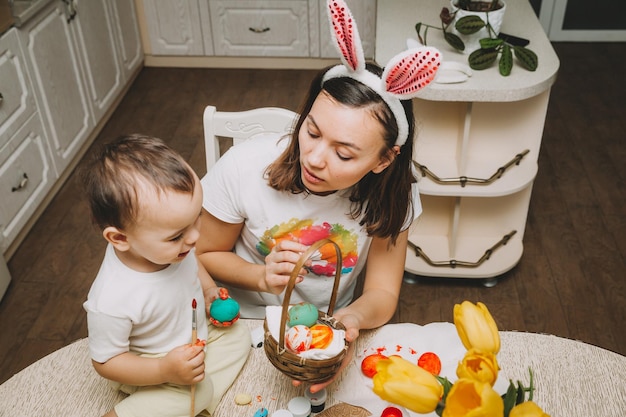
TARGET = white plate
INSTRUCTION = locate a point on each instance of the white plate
(409, 341)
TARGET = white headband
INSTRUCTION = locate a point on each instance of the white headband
(404, 76)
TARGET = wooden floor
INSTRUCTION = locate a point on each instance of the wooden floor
(569, 282)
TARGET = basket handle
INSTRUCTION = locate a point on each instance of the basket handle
(292, 283)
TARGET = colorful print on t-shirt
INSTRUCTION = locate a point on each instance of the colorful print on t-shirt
(307, 233)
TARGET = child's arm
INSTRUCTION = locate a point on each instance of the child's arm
(183, 365)
(209, 287)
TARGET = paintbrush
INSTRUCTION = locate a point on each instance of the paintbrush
(194, 337)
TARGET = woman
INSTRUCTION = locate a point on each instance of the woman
(345, 173)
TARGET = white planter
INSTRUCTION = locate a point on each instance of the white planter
(472, 42)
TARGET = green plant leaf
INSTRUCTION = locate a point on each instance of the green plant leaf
(454, 41)
(481, 59)
(468, 25)
(488, 43)
(506, 61)
(521, 393)
(509, 398)
(531, 388)
(527, 58)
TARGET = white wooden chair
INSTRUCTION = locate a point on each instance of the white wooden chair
(241, 126)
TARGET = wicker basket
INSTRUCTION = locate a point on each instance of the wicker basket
(289, 363)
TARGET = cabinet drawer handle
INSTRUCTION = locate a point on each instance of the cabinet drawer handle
(259, 30)
(453, 263)
(21, 185)
(1, 98)
(464, 180)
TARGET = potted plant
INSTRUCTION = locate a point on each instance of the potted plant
(482, 19)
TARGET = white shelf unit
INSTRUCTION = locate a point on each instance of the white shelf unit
(476, 149)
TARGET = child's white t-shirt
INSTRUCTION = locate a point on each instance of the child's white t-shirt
(236, 190)
(146, 313)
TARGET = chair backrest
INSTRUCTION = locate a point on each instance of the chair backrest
(241, 126)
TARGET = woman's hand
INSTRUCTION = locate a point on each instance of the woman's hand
(183, 365)
(279, 265)
(351, 323)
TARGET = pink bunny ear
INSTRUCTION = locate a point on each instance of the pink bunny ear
(343, 29)
(410, 71)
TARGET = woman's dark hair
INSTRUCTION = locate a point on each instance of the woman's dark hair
(383, 200)
(113, 175)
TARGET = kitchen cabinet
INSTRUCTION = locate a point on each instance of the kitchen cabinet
(180, 30)
(174, 27)
(76, 66)
(476, 148)
(54, 63)
(26, 171)
(126, 32)
(267, 28)
(65, 68)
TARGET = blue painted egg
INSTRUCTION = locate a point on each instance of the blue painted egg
(303, 313)
(224, 310)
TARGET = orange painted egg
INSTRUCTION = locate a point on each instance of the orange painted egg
(368, 366)
(322, 336)
(298, 338)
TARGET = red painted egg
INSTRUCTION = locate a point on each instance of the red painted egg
(368, 366)
(392, 412)
(430, 362)
(298, 338)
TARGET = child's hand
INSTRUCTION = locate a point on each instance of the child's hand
(211, 294)
(184, 365)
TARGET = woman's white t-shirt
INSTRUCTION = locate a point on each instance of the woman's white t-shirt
(236, 191)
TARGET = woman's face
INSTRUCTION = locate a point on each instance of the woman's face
(339, 145)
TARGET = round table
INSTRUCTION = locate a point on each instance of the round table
(572, 379)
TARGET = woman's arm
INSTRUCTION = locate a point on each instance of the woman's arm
(381, 289)
(214, 249)
(184, 365)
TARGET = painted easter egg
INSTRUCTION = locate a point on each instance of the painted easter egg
(298, 338)
(431, 362)
(322, 335)
(368, 365)
(224, 311)
(302, 313)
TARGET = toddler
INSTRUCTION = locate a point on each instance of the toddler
(147, 202)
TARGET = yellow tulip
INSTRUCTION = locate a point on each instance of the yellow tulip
(527, 409)
(476, 328)
(469, 398)
(479, 366)
(404, 383)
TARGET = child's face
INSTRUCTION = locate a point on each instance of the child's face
(339, 145)
(167, 228)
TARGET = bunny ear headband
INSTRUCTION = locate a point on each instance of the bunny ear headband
(405, 74)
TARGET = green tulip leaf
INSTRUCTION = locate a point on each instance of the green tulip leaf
(454, 41)
(521, 393)
(506, 61)
(526, 57)
(447, 386)
(481, 59)
(468, 25)
(509, 398)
